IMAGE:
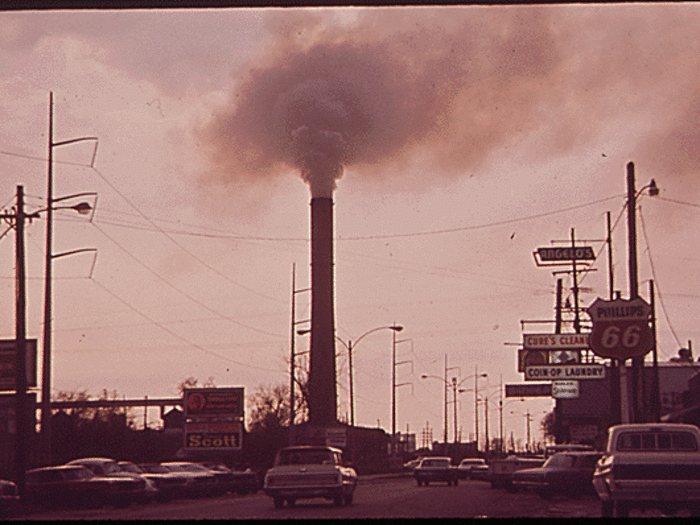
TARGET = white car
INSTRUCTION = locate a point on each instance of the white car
(649, 466)
(465, 466)
(310, 472)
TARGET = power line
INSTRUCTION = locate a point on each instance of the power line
(653, 273)
(160, 278)
(177, 336)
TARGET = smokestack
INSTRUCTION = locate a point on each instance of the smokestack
(322, 384)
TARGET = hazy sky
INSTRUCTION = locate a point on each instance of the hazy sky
(462, 139)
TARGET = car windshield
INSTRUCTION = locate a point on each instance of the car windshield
(467, 462)
(77, 474)
(559, 461)
(130, 467)
(305, 457)
(442, 463)
(155, 469)
(194, 468)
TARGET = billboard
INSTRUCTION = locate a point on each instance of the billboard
(210, 402)
(8, 363)
(214, 435)
(529, 390)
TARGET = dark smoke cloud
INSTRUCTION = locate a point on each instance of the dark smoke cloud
(438, 90)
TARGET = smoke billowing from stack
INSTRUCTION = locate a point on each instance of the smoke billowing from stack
(432, 93)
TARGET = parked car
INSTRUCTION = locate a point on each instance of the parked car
(465, 466)
(479, 472)
(108, 467)
(436, 469)
(9, 498)
(242, 482)
(550, 450)
(169, 484)
(501, 470)
(411, 465)
(649, 466)
(563, 473)
(310, 472)
(75, 485)
(203, 481)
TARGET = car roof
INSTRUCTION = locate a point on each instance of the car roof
(91, 460)
(59, 467)
(313, 447)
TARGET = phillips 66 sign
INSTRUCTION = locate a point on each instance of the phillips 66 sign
(620, 328)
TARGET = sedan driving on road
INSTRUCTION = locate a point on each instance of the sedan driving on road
(436, 469)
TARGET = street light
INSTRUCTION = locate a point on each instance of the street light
(637, 362)
(455, 389)
(349, 347)
(82, 208)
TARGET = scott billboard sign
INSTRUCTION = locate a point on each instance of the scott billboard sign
(620, 328)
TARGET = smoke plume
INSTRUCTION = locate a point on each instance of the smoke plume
(436, 91)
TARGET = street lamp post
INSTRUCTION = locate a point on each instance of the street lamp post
(349, 347)
(637, 362)
(46, 355)
(454, 384)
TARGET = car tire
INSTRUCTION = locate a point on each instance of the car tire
(348, 499)
(338, 501)
(279, 503)
(427, 483)
(419, 482)
(456, 482)
(291, 502)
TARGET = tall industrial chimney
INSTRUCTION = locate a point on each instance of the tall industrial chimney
(322, 378)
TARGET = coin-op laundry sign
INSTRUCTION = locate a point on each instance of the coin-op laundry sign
(620, 328)
(563, 372)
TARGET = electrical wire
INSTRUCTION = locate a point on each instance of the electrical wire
(177, 336)
(658, 289)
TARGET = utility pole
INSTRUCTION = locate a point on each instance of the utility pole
(486, 419)
(22, 426)
(292, 358)
(445, 388)
(637, 362)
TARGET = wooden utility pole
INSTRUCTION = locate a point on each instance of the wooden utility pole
(22, 438)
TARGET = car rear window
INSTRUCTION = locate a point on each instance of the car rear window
(307, 457)
(654, 441)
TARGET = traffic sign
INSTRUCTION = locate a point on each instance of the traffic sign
(620, 328)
